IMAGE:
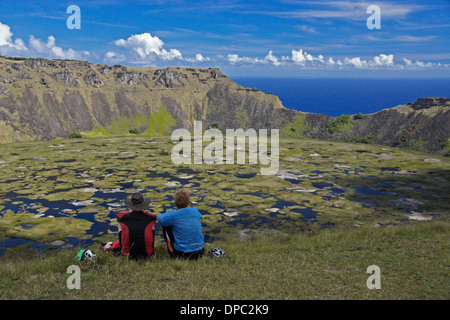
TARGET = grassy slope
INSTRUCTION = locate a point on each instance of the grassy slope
(329, 264)
(323, 264)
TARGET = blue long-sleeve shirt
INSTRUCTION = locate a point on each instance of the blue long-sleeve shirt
(187, 228)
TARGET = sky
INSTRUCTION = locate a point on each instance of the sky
(289, 38)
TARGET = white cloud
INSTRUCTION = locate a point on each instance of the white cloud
(113, 57)
(49, 49)
(143, 44)
(5, 35)
(148, 46)
(356, 62)
(413, 38)
(269, 59)
(199, 57)
(6, 43)
(172, 54)
(301, 58)
(354, 10)
(382, 60)
(308, 29)
(36, 47)
(419, 64)
(234, 58)
(144, 48)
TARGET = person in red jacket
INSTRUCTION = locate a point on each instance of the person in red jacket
(136, 228)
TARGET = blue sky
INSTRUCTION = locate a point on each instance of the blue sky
(261, 38)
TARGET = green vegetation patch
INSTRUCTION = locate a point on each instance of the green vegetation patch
(134, 131)
(43, 229)
(417, 145)
(75, 135)
(358, 116)
(97, 132)
(296, 128)
(161, 122)
(366, 140)
(158, 123)
(123, 125)
(341, 124)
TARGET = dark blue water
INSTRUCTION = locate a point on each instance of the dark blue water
(334, 97)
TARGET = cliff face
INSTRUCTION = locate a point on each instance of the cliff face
(421, 126)
(46, 99)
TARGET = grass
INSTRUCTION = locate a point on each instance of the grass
(310, 263)
(328, 264)
(341, 124)
(417, 145)
(296, 128)
(366, 140)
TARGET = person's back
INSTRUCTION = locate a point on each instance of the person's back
(182, 229)
(186, 228)
(137, 228)
(137, 235)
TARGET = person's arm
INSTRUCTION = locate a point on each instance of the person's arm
(166, 219)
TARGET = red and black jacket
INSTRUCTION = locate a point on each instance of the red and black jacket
(137, 236)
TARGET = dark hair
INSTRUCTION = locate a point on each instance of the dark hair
(181, 199)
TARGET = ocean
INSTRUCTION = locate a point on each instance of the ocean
(334, 97)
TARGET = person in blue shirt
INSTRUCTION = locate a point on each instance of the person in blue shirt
(182, 229)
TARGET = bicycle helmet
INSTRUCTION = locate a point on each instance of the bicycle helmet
(217, 253)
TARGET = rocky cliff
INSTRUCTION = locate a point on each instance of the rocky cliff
(421, 126)
(46, 99)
